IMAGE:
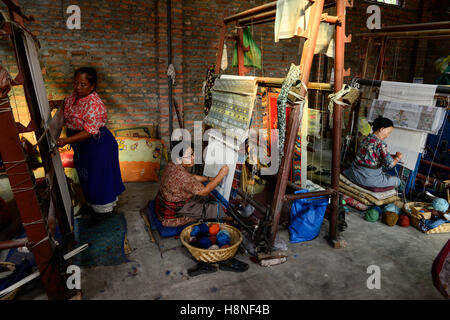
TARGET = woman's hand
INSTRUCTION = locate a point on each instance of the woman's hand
(61, 142)
(398, 155)
(223, 171)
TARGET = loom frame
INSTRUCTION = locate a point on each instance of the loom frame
(266, 14)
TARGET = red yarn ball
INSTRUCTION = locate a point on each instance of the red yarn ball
(225, 246)
(214, 229)
(404, 221)
(213, 239)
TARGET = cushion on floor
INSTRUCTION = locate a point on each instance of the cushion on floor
(374, 189)
(155, 224)
(377, 195)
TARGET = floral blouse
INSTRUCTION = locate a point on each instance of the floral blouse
(88, 113)
(373, 152)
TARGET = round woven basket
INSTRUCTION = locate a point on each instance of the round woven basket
(217, 255)
(11, 266)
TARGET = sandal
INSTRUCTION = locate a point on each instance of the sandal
(200, 268)
(233, 265)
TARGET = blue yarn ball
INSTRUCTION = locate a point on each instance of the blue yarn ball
(205, 243)
(392, 208)
(440, 204)
(223, 238)
(204, 229)
(195, 231)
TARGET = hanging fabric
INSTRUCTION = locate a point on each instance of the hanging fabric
(224, 62)
(325, 40)
(291, 18)
(252, 57)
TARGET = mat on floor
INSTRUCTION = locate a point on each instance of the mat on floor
(107, 241)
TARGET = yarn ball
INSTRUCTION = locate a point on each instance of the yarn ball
(440, 204)
(223, 238)
(205, 243)
(204, 229)
(372, 215)
(404, 221)
(380, 211)
(195, 231)
(390, 218)
(213, 247)
(195, 243)
(391, 207)
(214, 229)
(225, 246)
(213, 239)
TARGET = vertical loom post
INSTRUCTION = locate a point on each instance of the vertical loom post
(337, 118)
(293, 125)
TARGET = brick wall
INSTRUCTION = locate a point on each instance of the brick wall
(127, 42)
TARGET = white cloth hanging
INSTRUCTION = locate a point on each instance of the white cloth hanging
(291, 18)
(325, 40)
(224, 62)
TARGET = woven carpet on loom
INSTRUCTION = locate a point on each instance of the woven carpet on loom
(106, 239)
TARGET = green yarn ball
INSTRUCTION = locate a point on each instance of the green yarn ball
(372, 215)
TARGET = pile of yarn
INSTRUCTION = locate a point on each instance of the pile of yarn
(440, 204)
(373, 214)
(391, 214)
(210, 237)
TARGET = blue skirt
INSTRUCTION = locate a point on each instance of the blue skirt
(368, 177)
(97, 163)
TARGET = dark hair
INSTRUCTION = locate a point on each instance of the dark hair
(381, 122)
(90, 72)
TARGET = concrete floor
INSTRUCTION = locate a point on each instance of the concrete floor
(313, 270)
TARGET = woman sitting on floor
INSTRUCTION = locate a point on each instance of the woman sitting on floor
(373, 158)
(182, 197)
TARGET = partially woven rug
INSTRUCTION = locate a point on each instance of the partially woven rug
(108, 245)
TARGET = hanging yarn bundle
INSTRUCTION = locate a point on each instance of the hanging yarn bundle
(440, 204)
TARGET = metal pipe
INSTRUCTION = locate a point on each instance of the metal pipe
(405, 33)
(169, 62)
(251, 12)
(415, 27)
(434, 164)
(377, 83)
(10, 244)
(258, 17)
(305, 195)
(254, 23)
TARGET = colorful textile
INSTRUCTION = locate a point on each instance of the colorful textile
(208, 85)
(177, 184)
(440, 271)
(292, 77)
(137, 132)
(365, 198)
(252, 57)
(155, 223)
(297, 160)
(97, 163)
(375, 195)
(233, 99)
(429, 224)
(167, 210)
(140, 158)
(373, 152)
(88, 113)
(354, 203)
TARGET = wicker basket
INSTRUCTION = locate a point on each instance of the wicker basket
(206, 255)
(11, 266)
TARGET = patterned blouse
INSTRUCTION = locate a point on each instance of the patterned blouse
(177, 184)
(373, 152)
(88, 113)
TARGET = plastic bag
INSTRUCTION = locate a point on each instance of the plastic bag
(306, 218)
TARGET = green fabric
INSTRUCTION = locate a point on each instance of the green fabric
(372, 215)
(444, 78)
(252, 58)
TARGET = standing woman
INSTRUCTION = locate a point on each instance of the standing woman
(96, 153)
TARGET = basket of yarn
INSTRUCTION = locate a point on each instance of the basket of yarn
(211, 242)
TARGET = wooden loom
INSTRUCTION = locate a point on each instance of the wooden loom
(268, 227)
(35, 219)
